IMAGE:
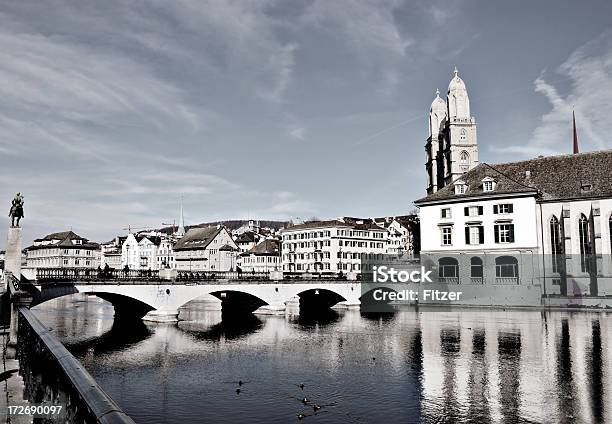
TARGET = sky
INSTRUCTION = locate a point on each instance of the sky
(110, 111)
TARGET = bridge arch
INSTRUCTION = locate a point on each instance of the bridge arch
(238, 300)
(319, 298)
(125, 305)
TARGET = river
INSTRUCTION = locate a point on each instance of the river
(428, 366)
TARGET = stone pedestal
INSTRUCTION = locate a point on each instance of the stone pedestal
(18, 300)
(12, 257)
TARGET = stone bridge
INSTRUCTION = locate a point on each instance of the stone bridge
(158, 299)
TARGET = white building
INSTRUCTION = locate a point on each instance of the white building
(247, 240)
(63, 250)
(146, 251)
(518, 223)
(403, 234)
(452, 145)
(331, 246)
(165, 253)
(206, 249)
(264, 257)
(111, 253)
(252, 226)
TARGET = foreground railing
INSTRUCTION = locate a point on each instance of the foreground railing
(54, 377)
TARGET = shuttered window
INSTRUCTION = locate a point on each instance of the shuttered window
(473, 210)
(504, 233)
(474, 234)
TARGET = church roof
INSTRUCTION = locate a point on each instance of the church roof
(553, 178)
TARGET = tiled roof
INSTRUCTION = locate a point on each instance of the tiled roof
(355, 223)
(197, 238)
(563, 177)
(246, 237)
(266, 247)
(65, 240)
(62, 235)
(156, 240)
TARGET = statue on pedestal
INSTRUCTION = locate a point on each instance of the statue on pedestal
(16, 212)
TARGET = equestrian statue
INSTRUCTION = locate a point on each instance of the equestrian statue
(16, 212)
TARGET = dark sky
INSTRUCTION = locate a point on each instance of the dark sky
(111, 110)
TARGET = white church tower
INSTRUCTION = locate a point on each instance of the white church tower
(451, 147)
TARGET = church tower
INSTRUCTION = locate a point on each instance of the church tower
(435, 164)
(452, 147)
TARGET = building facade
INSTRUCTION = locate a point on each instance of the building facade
(542, 221)
(403, 235)
(332, 246)
(63, 250)
(264, 257)
(452, 146)
(110, 253)
(148, 251)
(206, 249)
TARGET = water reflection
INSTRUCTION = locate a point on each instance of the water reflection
(411, 366)
(596, 387)
(228, 327)
(509, 350)
(123, 334)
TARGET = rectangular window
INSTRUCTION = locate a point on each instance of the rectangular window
(474, 234)
(447, 236)
(473, 210)
(445, 213)
(503, 208)
(504, 233)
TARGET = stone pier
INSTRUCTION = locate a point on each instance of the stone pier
(12, 257)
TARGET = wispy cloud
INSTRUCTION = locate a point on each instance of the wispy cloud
(589, 70)
(297, 133)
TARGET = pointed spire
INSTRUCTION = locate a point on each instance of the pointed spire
(437, 93)
(181, 222)
(456, 72)
(575, 134)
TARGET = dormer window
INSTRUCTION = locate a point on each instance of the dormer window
(488, 184)
(460, 187)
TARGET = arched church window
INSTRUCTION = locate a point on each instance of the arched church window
(555, 243)
(464, 161)
(584, 237)
(463, 135)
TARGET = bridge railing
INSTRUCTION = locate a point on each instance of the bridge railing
(135, 276)
(53, 376)
(90, 274)
(221, 275)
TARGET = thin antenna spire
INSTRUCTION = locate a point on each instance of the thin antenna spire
(181, 223)
(575, 133)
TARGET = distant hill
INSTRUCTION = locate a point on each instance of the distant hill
(232, 224)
